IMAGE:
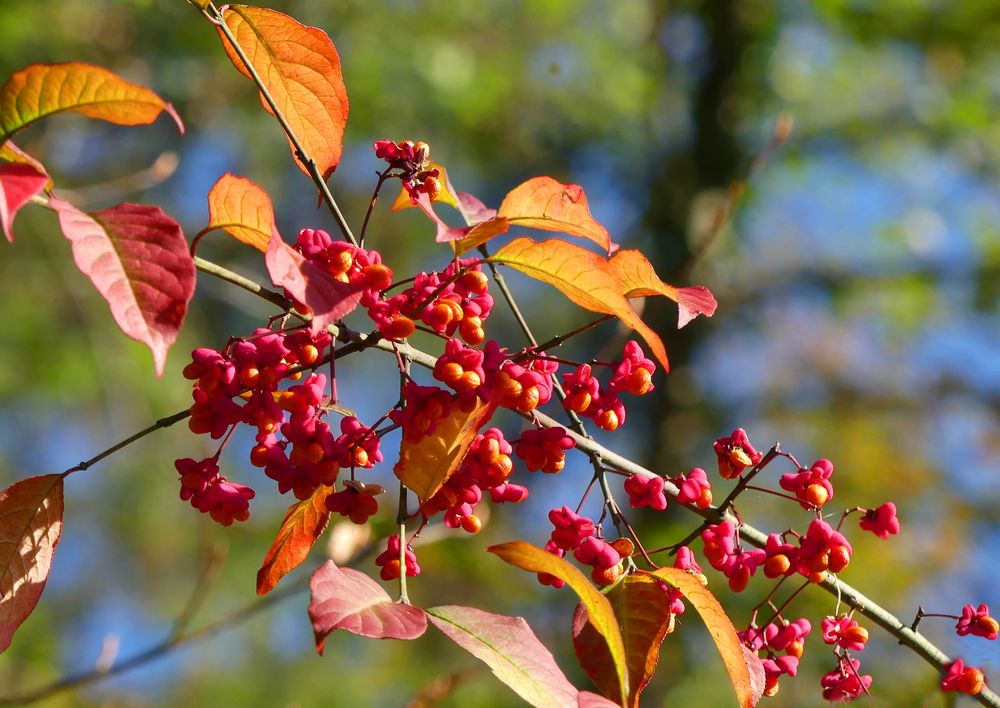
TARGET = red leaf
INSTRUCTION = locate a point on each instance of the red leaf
(640, 280)
(425, 465)
(19, 182)
(693, 301)
(602, 617)
(347, 599)
(43, 89)
(744, 668)
(511, 650)
(583, 276)
(642, 609)
(137, 258)
(327, 298)
(544, 203)
(30, 525)
(241, 209)
(300, 68)
(302, 526)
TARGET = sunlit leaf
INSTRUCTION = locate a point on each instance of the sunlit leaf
(19, 182)
(44, 89)
(30, 525)
(640, 280)
(9, 152)
(642, 608)
(300, 68)
(137, 258)
(480, 234)
(511, 650)
(586, 699)
(425, 465)
(583, 276)
(241, 209)
(347, 599)
(303, 524)
(544, 203)
(327, 298)
(601, 615)
(739, 663)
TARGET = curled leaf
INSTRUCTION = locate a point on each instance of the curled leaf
(42, 90)
(19, 182)
(601, 615)
(137, 258)
(300, 68)
(302, 526)
(30, 526)
(327, 298)
(241, 209)
(425, 465)
(640, 280)
(744, 668)
(511, 650)
(544, 203)
(341, 598)
(584, 277)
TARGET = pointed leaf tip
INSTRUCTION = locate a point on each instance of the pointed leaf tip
(138, 259)
(342, 598)
(30, 526)
(19, 182)
(639, 279)
(41, 90)
(585, 277)
(744, 668)
(302, 526)
(300, 68)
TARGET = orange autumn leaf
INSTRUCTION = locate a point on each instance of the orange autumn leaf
(740, 664)
(599, 610)
(639, 279)
(583, 276)
(300, 68)
(642, 610)
(425, 465)
(241, 209)
(543, 203)
(42, 90)
(30, 525)
(302, 526)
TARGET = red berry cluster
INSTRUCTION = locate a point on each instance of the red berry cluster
(409, 162)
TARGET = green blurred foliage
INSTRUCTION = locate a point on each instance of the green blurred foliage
(857, 286)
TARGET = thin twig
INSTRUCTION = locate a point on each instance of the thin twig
(216, 18)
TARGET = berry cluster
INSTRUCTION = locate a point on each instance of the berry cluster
(409, 161)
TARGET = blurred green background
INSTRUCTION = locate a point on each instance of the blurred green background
(858, 312)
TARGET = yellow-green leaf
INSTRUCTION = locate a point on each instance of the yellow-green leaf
(544, 203)
(300, 68)
(42, 90)
(425, 465)
(583, 276)
(601, 615)
(736, 660)
(241, 209)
